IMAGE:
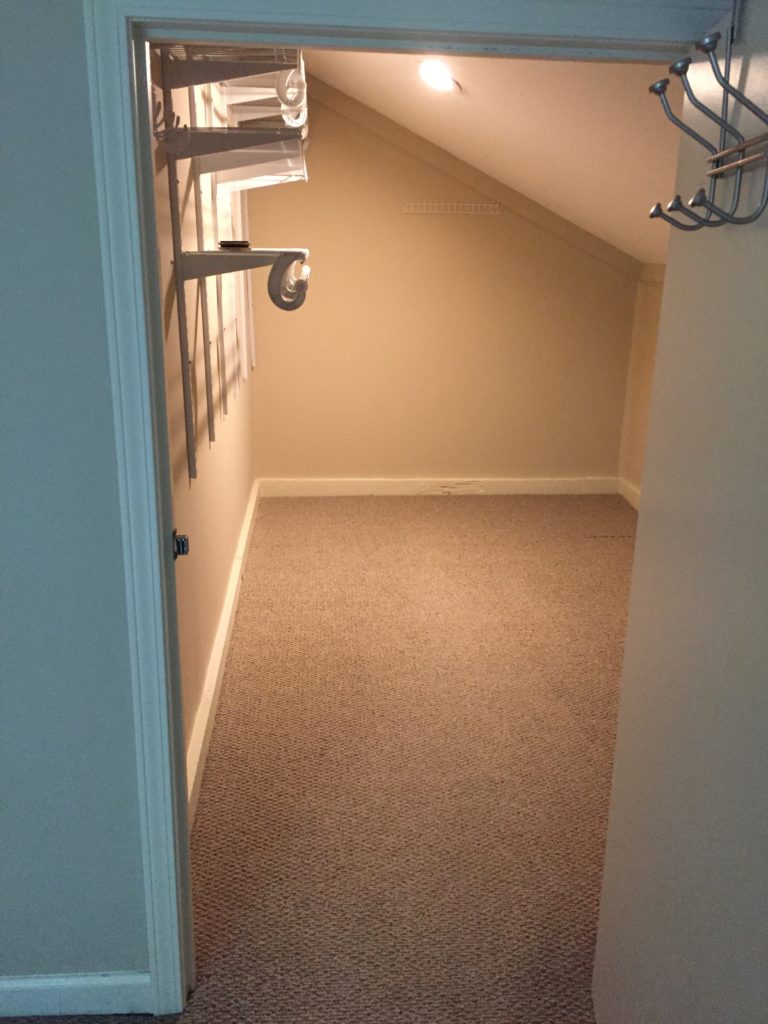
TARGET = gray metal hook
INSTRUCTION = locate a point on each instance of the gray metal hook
(714, 215)
(708, 45)
(658, 213)
(660, 89)
(711, 206)
(707, 221)
(680, 69)
(288, 281)
(701, 199)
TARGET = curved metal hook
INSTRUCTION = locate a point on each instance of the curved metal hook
(660, 89)
(657, 212)
(715, 215)
(708, 45)
(707, 221)
(680, 69)
(287, 285)
(701, 199)
(710, 206)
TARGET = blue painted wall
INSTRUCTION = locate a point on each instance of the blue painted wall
(71, 891)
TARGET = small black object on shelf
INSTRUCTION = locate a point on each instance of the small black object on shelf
(234, 243)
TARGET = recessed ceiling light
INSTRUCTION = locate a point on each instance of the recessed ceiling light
(437, 75)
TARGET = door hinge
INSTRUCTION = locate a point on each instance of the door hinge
(180, 544)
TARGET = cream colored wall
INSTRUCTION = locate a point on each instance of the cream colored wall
(211, 508)
(642, 359)
(433, 346)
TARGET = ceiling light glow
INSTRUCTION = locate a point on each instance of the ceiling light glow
(437, 75)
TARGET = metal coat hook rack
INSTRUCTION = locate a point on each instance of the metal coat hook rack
(184, 67)
(733, 156)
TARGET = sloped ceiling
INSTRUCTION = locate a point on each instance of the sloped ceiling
(585, 140)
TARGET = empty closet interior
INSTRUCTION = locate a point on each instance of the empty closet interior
(485, 284)
(392, 277)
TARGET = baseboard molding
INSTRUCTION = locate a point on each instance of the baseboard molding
(197, 749)
(307, 487)
(630, 492)
(52, 995)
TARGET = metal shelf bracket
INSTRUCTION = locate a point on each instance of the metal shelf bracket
(190, 65)
(207, 264)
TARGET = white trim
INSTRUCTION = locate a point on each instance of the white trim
(200, 738)
(311, 487)
(132, 303)
(629, 30)
(630, 492)
(63, 994)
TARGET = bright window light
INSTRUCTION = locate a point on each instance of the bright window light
(437, 75)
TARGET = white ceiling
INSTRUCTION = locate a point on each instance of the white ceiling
(585, 140)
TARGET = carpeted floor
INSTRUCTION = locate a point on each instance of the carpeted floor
(403, 813)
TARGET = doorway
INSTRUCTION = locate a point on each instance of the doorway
(504, 659)
(158, 845)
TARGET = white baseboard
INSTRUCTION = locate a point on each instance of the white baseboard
(308, 487)
(200, 738)
(57, 995)
(630, 492)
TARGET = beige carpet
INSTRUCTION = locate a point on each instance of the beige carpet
(403, 813)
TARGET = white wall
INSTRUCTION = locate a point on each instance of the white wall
(684, 918)
(433, 346)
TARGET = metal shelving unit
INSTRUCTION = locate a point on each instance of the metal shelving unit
(184, 66)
